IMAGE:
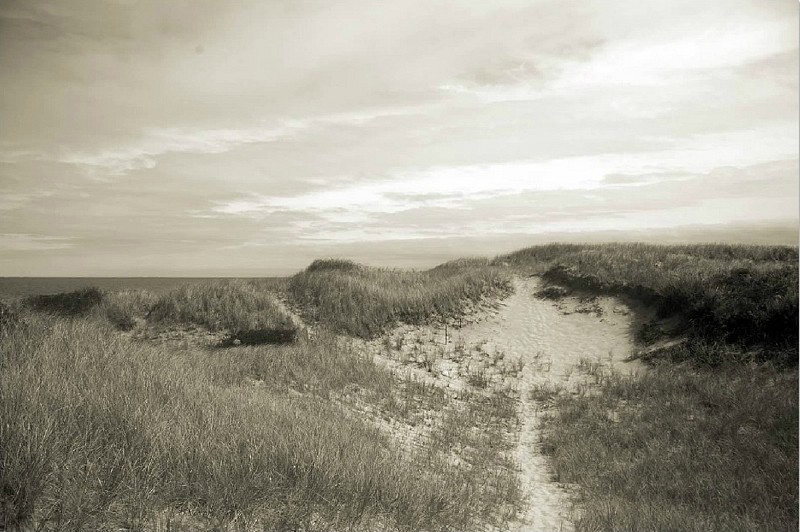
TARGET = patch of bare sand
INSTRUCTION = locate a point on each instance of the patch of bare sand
(522, 344)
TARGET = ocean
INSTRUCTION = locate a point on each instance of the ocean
(13, 287)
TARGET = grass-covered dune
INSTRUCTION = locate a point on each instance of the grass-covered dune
(246, 310)
(745, 296)
(362, 301)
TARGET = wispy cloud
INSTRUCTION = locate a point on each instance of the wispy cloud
(26, 242)
(154, 143)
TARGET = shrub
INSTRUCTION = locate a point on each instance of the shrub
(261, 336)
(341, 265)
(75, 303)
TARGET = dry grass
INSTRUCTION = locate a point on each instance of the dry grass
(681, 448)
(98, 431)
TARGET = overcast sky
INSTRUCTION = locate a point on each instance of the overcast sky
(249, 137)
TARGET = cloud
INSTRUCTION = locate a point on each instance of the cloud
(168, 132)
(25, 242)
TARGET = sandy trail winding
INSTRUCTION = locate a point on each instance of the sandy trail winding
(551, 339)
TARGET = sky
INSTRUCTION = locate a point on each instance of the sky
(248, 137)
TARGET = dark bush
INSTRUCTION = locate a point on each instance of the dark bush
(552, 292)
(120, 318)
(74, 303)
(261, 336)
(342, 265)
(750, 307)
(8, 318)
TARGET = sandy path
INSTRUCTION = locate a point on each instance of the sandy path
(550, 342)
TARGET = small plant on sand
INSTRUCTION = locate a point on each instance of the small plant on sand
(544, 392)
(552, 292)
(478, 378)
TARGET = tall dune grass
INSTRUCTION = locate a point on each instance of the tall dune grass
(362, 301)
(123, 308)
(101, 432)
(223, 305)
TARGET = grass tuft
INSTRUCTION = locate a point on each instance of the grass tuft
(365, 302)
(234, 306)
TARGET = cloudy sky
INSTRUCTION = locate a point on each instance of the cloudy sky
(248, 137)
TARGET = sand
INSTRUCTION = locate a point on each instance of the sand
(551, 338)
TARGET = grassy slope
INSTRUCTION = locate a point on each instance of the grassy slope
(364, 302)
(707, 444)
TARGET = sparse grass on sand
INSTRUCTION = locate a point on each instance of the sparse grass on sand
(745, 297)
(683, 449)
(362, 301)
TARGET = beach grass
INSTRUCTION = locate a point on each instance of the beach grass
(100, 431)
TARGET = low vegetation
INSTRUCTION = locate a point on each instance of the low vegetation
(681, 449)
(362, 301)
(745, 297)
(100, 430)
